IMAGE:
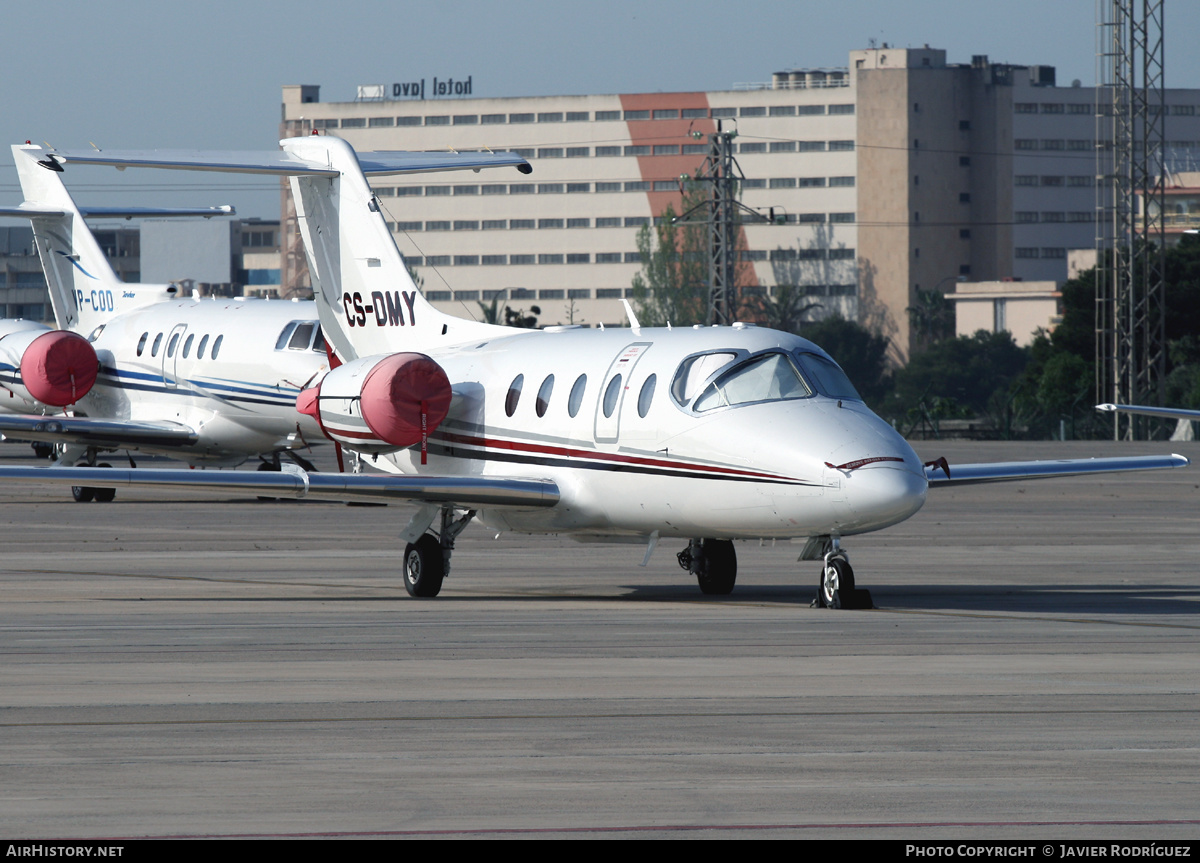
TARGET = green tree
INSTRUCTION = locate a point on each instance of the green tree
(931, 318)
(491, 311)
(968, 370)
(671, 289)
(786, 309)
(861, 353)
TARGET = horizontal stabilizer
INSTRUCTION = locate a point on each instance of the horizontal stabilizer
(283, 163)
(32, 211)
(472, 492)
(227, 162)
(1010, 471)
(156, 212)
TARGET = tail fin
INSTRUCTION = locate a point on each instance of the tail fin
(84, 290)
(366, 298)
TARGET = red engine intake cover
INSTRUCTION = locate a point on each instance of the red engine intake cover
(392, 395)
(59, 368)
(307, 403)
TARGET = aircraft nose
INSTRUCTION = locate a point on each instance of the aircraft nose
(880, 496)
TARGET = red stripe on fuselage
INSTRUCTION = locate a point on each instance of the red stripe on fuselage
(595, 455)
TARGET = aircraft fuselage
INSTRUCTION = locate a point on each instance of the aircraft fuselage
(214, 366)
(640, 436)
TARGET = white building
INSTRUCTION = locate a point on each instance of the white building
(896, 174)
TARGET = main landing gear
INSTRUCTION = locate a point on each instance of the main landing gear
(427, 561)
(713, 562)
(86, 493)
(836, 589)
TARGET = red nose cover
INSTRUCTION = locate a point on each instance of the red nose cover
(393, 393)
(59, 368)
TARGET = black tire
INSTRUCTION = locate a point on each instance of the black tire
(83, 493)
(43, 450)
(718, 568)
(837, 580)
(104, 495)
(424, 567)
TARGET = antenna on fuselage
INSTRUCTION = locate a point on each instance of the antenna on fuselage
(633, 321)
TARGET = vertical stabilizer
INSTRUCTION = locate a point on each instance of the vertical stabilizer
(366, 298)
(84, 290)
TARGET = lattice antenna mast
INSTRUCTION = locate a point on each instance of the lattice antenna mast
(1130, 145)
(721, 172)
(723, 214)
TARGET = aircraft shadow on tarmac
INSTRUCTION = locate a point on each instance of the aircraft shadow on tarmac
(1075, 599)
(1060, 600)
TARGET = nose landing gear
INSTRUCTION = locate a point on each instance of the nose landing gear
(836, 589)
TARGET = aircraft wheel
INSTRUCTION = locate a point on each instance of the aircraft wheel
(104, 495)
(424, 567)
(837, 581)
(82, 493)
(718, 571)
(43, 450)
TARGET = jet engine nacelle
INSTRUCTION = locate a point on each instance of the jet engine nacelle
(380, 404)
(57, 367)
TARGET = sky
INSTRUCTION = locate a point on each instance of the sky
(143, 74)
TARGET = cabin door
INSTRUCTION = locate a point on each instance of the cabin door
(612, 392)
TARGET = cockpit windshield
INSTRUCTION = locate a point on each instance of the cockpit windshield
(826, 376)
(768, 377)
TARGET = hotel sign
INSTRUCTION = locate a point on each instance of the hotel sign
(438, 87)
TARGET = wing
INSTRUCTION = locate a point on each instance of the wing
(1145, 410)
(293, 481)
(940, 474)
(88, 431)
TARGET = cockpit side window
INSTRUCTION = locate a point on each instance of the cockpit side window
(827, 376)
(319, 341)
(767, 377)
(694, 371)
(302, 338)
(282, 341)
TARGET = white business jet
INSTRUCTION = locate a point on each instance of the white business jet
(702, 434)
(211, 383)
